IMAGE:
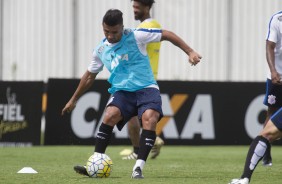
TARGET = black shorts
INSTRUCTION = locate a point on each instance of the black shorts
(136, 103)
(273, 95)
(276, 118)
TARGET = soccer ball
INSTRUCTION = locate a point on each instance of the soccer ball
(99, 165)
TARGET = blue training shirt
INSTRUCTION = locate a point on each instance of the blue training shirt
(129, 67)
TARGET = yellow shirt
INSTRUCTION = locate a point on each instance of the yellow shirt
(153, 49)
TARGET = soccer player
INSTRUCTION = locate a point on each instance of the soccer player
(133, 87)
(273, 96)
(141, 10)
(260, 147)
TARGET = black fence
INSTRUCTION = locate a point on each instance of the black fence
(20, 113)
(195, 113)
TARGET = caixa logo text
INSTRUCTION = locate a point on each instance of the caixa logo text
(199, 117)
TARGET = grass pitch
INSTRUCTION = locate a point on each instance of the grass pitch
(175, 164)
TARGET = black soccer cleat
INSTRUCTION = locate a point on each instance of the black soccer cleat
(267, 161)
(80, 170)
(137, 174)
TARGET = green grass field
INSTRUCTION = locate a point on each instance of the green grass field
(176, 164)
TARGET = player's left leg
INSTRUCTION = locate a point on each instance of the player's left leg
(255, 154)
(258, 148)
(147, 139)
(150, 112)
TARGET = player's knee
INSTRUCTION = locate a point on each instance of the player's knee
(149, 125)
(149, 120)
(151, 115)
(112, 115)
(270, 136)
(271, 132)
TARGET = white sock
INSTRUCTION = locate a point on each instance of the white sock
(258, 153)
(139, 163)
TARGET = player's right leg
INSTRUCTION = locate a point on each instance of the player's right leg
(102, 141)
(80, 170)
(112, 116)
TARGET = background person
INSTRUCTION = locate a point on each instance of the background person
(141, 10)
(272, 131)
(273, 96)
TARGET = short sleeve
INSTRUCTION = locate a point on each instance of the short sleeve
(145, 36)
(96, 65)
(273, 30)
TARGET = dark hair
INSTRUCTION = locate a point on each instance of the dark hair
(113, 17)
(146, 2)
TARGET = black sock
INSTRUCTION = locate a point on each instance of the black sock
(103, 138)
(147, 140)
(267, 154)
(256, 152)
(135, 150)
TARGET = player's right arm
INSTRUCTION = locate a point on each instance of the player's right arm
(85, 83)
(275, 77)
(271, 40)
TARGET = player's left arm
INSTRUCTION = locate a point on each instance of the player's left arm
(194, 57)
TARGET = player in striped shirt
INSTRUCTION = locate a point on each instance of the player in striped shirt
(273, 95)
(260, 147)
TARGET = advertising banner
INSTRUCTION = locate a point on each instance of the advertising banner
(195, 113)
(20, 113)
